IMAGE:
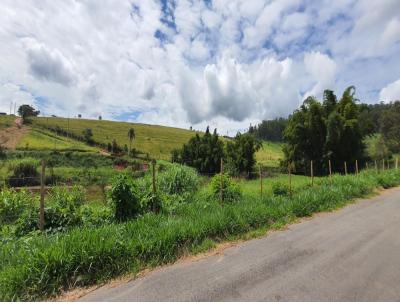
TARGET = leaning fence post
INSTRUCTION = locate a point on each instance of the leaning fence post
(222, 182)
(330, 170)
(345, 167)
(261, 181)
(356, 167)
(312, 174)
(42, 192)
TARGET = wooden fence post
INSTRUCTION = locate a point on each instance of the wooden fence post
(356, 167)
(376, 165)
(366, 165)
(261, 182)
(312, 174)
(42, 192)
(397, 163)
(154, 184)
(290, 179)
(222, 182)
(345, 168)
(383, 164)
(330, 170)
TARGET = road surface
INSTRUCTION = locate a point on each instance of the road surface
(350, 255)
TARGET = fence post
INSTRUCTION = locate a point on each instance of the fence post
(261, 181)
(330, 170)
(376, 165)
(366, 165)
(345, 167)
(397, 163)
(42, 192)
(383, 164)
(222, 182)
(154, 184)
(312, 174)
(356, 167)
(290, 179)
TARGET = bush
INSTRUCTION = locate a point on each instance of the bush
(231, 191)
(125, 197)
(96, 216)
(178, 179)
(24, 173)
(280, 189)
(13, 205)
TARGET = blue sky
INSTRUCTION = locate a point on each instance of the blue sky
(225, 63)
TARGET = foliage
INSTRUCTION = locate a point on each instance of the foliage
(125, 198)
(202, 152)
(45, 265)
(390, 126)
(88, 136)
(24, 172)
(26, 111)
(13, 205)
(240, 154)
(230, 190)
(131, 137)
(324, 131)
(271, 130)
(178, 179)
(377, 148)
(280, 189)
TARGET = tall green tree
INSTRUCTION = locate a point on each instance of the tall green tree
(240, 154)
(131, 137)
(324, 131)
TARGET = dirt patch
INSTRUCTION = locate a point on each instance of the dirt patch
(11, 136)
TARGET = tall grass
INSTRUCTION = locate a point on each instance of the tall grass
(41, 266)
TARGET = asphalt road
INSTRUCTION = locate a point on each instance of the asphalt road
(350, 255)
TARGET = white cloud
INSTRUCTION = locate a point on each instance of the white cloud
(391, 92)
(323, 71)
(228, 62)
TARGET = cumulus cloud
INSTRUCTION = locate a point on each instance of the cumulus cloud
(227, 63)
(50, 65)
(322, 69)
(391, 92)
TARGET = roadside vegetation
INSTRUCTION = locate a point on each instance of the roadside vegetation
(85, 244)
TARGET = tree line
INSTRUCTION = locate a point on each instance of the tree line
(334, 130)
(206, 152)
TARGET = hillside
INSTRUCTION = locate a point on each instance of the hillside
(157, 141)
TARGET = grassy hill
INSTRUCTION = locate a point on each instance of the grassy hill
(158, 141)
(270, 154)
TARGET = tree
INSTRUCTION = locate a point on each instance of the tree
(26, 111)
(271, 130)
(131, 136)
(88, 136)
(240, 154)
(322, 132)
(201, 152)
(390, 126)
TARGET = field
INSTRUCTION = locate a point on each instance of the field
(6, 121)
(40, 139)
(270, 154)
(157, 141)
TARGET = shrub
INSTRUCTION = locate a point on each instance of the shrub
(178, 179)
(280, 189)
(96, 216)
(13, 205)
(24, 172)
(231, 191)
(125, 197)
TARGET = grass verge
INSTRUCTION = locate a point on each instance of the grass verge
(40, 266)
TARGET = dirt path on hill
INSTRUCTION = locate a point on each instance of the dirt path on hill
(11, 136)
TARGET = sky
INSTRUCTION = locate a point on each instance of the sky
(222, 63)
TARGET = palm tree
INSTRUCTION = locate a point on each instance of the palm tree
(131, 136)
